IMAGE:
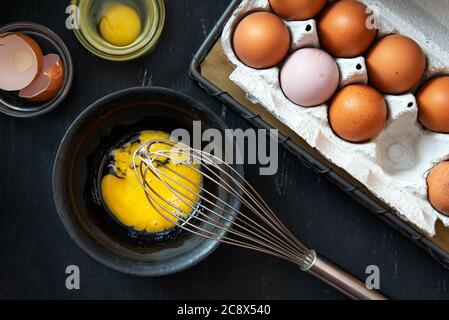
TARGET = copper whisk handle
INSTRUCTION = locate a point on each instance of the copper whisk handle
(342, 281)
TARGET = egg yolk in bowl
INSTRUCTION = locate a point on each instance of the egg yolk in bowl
(120, 25)
(126, 199)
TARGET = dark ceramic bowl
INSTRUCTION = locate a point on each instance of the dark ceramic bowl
(49, 42)
(76, 172)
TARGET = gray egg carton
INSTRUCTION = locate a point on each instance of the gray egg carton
(395, 165)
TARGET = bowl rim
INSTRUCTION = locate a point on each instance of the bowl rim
(82, 239)
(68, 69)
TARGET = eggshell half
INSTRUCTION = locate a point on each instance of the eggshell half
(438, 187)
(21, 61)
(47, 85)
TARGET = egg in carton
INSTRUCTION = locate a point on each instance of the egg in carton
(395, 165)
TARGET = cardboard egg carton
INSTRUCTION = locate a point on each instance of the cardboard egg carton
(395, 165)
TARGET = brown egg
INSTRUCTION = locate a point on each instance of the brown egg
(358, 113)
(433, 104)
(395, 64)
(438, 187)
(261, 40)
(343, 30)
(297, 9)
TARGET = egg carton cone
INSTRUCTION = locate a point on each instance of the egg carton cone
(395, 165)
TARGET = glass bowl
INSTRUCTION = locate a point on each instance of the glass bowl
(88, 14)
(10, 103)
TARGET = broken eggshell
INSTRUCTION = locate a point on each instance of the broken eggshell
(21, 61)
(48, 83)
(10, 102)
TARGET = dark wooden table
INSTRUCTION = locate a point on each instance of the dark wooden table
(35, 249)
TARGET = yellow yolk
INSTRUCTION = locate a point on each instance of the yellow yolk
(120, 25)
(126, 199)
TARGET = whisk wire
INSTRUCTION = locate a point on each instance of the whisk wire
(259, 202)
(267, 242)
(251, 194)
(212, 236)
(274, 247)
(256, 226)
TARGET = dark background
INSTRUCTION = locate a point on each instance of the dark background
(35, 249)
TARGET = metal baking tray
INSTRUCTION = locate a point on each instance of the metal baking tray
(311, 161)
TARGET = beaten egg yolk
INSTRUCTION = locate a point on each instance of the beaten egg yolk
(126, 199)
(120, 25)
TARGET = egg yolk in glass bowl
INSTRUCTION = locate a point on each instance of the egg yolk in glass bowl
(120, 25)
(126, 199)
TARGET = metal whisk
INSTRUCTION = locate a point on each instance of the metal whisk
(210, 213)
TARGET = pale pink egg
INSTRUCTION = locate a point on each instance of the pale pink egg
(309, 77)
